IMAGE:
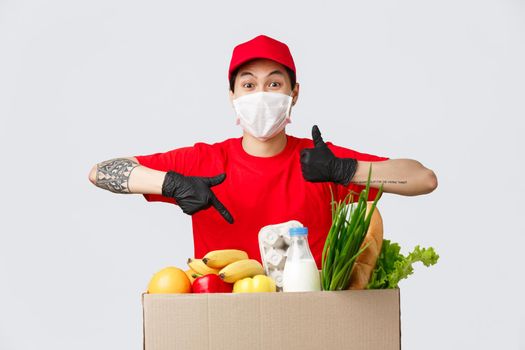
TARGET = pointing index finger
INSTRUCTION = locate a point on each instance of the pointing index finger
(221, 209)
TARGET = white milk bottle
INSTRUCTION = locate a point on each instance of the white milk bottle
(300, 271)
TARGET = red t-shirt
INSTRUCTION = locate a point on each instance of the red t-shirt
(257, 192)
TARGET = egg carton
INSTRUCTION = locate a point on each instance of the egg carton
(274, 241)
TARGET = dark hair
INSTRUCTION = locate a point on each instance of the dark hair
(290, 72)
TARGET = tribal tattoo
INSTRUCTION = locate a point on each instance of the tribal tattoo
(113, 174)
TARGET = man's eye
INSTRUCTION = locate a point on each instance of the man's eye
(275, 84)
(247, 85)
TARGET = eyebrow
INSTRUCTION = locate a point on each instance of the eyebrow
(274, 72)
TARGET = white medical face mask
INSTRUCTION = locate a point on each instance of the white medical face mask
(263, 114)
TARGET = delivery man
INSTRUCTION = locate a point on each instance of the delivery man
(233, 188)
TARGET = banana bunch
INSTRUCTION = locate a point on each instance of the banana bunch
(230, 264)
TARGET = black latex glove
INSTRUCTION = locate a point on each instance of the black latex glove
(319, 164)
(193, 193)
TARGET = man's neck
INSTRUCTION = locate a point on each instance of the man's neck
(268, 148)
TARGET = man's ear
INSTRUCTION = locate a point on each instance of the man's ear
(295, 94)
(231, 96)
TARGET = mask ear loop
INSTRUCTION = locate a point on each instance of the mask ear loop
(289, 110)
(237, 118)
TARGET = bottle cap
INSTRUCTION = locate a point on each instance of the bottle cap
(298, 231)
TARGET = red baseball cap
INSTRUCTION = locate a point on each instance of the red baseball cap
(261, 46)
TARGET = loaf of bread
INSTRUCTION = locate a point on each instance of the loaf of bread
(366, 261)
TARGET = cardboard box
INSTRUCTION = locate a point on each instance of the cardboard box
(364, 320)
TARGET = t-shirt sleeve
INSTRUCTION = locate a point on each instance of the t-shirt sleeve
(343, 152)
(180, 160)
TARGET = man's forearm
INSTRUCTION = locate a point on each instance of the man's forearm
(126, 175)
(401, 176)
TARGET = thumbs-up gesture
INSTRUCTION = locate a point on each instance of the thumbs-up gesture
(319, 164)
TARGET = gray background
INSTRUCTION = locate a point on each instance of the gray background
(81, 82)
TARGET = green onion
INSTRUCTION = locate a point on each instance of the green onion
(344, 242)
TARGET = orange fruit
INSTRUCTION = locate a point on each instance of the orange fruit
(169, 280)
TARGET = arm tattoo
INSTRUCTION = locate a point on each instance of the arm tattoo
(113, 175)
(400, 182)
